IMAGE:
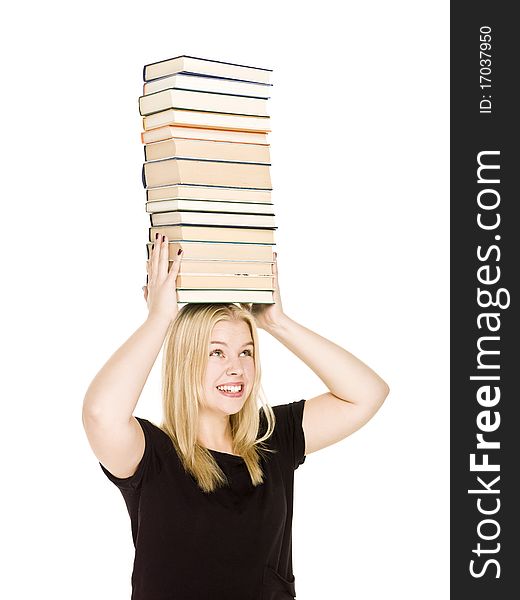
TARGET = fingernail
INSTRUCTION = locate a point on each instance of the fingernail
(179, 251)
(156, 235)
(163, 238)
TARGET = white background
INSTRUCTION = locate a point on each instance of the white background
(360, 171)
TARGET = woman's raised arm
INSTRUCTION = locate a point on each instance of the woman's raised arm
(114, 435)
(355, 393)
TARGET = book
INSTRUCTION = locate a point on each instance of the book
(205, 101)
(211, 218)
(214, 234)
(209, 150)
(220, 282)
(167, 132)
(215, 296)
(226, 267)
(188, 81)
(163, 206)
(199, 192)
(207, 120)
(172, 171)
(207, 176)
(204, 66)
(216, 251)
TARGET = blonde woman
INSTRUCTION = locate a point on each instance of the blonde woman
(210, 491)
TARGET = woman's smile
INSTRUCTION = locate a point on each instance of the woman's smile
(231, 390)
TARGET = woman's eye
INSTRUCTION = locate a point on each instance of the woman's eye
(219, 352)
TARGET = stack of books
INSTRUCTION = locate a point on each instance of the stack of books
(207, 176)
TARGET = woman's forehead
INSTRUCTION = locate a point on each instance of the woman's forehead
(225, 330)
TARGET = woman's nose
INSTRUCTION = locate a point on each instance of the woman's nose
(234, 367)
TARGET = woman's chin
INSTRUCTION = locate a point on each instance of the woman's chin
(229, 405)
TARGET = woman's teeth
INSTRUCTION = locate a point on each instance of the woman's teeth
(230, 389)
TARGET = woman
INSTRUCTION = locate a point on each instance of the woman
(210, 492)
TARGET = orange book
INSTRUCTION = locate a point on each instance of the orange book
(168, 132)
(207, 120)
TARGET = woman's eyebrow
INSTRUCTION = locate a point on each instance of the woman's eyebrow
(224, 343)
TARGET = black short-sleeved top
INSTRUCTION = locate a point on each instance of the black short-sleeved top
(231, 544)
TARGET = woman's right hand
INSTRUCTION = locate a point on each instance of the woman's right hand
(160, 292)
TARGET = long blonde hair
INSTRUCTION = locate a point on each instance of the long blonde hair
(184, 365)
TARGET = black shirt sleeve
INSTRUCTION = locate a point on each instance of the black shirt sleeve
(288, 433)
(149, 461)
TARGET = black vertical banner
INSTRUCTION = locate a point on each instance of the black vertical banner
(485, 256)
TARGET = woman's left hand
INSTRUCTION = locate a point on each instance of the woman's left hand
(269, 315)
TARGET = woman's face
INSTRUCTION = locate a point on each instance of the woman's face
(231, 362)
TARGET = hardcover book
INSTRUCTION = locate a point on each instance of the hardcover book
(167, 132)
(172, 171)
(226, 267)
(207, 120)
(209, 150)
(163, 206)
(206, 101)
(211, 218)
(214, 234)
(200, 192)
(204, 66)
(187, 81)
(232, 251)
(245, 296)
(222, 282)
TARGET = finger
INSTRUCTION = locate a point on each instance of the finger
(155, 259)
(163, 258)
(176, 265)
(276, 285)
(275, 269)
